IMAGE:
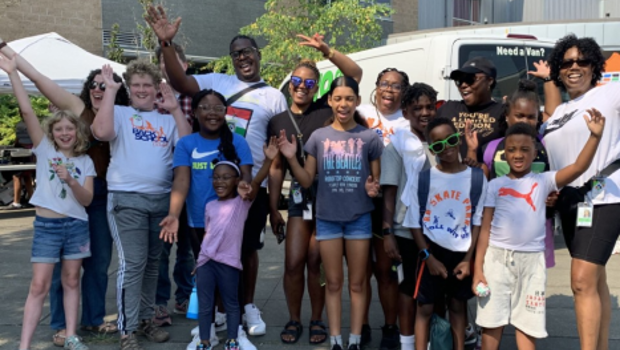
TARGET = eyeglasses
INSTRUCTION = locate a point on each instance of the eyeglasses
(94, 84)
(384, 85)
(222, 178)
(209, 108)
(440, 146)
(308, 83)
(469, 79)
(581, 62)
(248, 51)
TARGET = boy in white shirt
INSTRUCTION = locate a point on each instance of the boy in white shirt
(510, 258)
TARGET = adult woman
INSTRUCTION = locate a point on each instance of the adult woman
(576, 66)
(95, 277)
(301, 245)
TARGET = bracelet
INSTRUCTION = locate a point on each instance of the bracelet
(546, 79)
(2, 44)
(330, 54)
(165, 43)
(387, 231)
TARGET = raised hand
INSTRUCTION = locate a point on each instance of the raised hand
(158, 20)
(169, 228)
(316, 42)
(471, 136)
(169, 102)
(271, 151)
(108, 78)
(542, 70)
(8, 64)
(372, 187)
(596, 122)
(288, 149)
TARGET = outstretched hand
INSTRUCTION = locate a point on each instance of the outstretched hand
(288, 149)
(372, 187)
(596, 122)
(108, 78)
(8, 64)
(316, 42)
(471, 136)
(169, 229)
(158, 20)
(542, 70)
(169, 101)
(271, 151)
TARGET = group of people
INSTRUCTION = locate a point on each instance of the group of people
(439, 207)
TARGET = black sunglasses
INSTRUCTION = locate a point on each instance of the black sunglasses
(581, 62)
(308, 83)
(469, 79)
(94, 84)
(247, 52)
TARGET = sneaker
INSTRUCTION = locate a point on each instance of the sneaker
(12, 206)
(390, 339)
(220, 321)
(479, 341)
(130, 343)
(254, 322)
(153, 333)
(354, 347)
(194, 331)
(214, 340)
(162, 317)
(232, 344)
(74, 343)
(244, 342)
(471, 335)
(181, 309)
(366, 334)
(202, 346)
(336, 347)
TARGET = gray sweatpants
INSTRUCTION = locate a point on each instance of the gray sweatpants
(134, 223)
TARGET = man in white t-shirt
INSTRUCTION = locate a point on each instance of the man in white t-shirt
(249, 116)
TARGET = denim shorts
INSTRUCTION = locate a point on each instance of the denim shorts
(54, 238)
(359, 228)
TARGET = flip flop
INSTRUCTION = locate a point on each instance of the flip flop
(321, 331)
(59, 339)
(105, 328)
(296, 333)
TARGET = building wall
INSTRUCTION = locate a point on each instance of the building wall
(79, 21)
(405, 15)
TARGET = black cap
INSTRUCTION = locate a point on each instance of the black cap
(476, 65)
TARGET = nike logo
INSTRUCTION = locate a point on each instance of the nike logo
(198, 155)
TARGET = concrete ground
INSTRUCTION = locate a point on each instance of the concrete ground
(15, 273)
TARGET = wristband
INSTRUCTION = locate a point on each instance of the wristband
(165, 43)
(387, 231)
(424, 254)
(546, 79)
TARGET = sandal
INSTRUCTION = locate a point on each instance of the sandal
(296, 333)
(105, 328)
(322, 330)
(59, 338)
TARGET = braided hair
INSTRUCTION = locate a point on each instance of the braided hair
(525, 90)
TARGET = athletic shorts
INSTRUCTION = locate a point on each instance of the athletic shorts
(517, 283)
(409, 254)
(255, 223)
(54, 238)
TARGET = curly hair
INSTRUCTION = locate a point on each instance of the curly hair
(306, 63)
(81, 130)
(122, 96)
(417, 90)
(142, 66)
(587, 47)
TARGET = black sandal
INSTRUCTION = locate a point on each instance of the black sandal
(321, 331)
(296, 333)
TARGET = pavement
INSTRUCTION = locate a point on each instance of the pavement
(15, 273)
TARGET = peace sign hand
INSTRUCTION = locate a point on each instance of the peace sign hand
(316, 42)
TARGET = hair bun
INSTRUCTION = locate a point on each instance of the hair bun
(527, 85)
(309, 62)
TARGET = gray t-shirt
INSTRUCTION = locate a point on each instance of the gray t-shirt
(343, 165)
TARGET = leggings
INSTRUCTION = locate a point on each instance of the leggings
(226, 278)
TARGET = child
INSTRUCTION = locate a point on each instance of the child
(445, 232)
(64, 187)
(345, 155)
(509, 258)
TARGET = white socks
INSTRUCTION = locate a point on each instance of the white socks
(407, 342)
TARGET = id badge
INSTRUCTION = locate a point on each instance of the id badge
(598, 188)
(401, 274)
(307, 213)
(585, 214)
(297, 196)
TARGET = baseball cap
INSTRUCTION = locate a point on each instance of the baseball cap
(476, 65)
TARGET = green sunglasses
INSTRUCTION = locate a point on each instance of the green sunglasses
(440, 146)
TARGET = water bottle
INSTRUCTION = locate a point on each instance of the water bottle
(192, 308)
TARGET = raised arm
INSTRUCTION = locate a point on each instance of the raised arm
(347, 66)
(57, 95)
(9, 65)
(165, 32)
(553, 97)
(305, 175)
(103, 125)
(171, 104)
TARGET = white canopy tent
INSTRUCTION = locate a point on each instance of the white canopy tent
(59, 59)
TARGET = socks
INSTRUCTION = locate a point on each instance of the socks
(335, 339)
(355, 338)
(407, 342)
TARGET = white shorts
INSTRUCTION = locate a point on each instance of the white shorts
(517, 282)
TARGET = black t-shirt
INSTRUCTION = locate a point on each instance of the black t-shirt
(486, 120)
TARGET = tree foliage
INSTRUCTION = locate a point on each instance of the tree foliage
(9, 115)
(115, 51)
(348, 25)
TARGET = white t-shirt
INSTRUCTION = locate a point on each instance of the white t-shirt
(51, 192)
(448, 218)
(141, 151)
(253, 110)
(384, 125)
(567, 133)
(519, 218)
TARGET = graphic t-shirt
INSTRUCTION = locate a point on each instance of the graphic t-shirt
(384, 125)
(485, 120)
(141, 151)
(519, 218)
(250, 114)
(500, 167)
(53, 193)
(197, 153)
(567, 133)
(343, 165)
(448, 218)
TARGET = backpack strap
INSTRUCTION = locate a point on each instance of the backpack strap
(239, 94)
(475, 191)
(424, 187)
(489, 152)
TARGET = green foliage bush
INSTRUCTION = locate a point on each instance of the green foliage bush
(9, 115)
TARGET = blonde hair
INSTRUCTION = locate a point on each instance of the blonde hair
(81, 130)
(142, 66)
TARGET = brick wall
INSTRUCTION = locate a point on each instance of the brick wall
(77, 20)
(405, 15)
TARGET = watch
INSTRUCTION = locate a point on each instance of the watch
(546, 79)
(165, 43)
(387, 231)
(424, 254)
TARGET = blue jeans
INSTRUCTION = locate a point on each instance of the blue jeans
(183, 267)
(95, 277)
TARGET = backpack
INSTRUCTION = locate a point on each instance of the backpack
(489, 152)
(424, 185)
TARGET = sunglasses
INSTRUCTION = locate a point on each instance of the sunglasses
(247, 52)
(469, 79)
(582, 62)
(308, 83)
(440, 146)
(94, 84)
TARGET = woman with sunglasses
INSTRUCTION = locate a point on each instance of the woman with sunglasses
(95, 276)
(576, 67)
(302, 118)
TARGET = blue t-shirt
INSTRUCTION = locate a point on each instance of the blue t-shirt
(197, 153)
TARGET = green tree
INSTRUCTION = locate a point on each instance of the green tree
(349, 25)
(9, 115)
(147, 36)
(115, 51)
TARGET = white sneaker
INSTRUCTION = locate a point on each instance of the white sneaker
(195, 331)
(196, 339)
(244, 342)
(253, 321)
(220, 321)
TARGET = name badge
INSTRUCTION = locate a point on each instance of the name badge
(585, 214)
(296, 191)
(598, 188)
(307, 213)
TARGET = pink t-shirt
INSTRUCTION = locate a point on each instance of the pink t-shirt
(224, 221)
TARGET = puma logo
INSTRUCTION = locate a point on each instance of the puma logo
(504, 191)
